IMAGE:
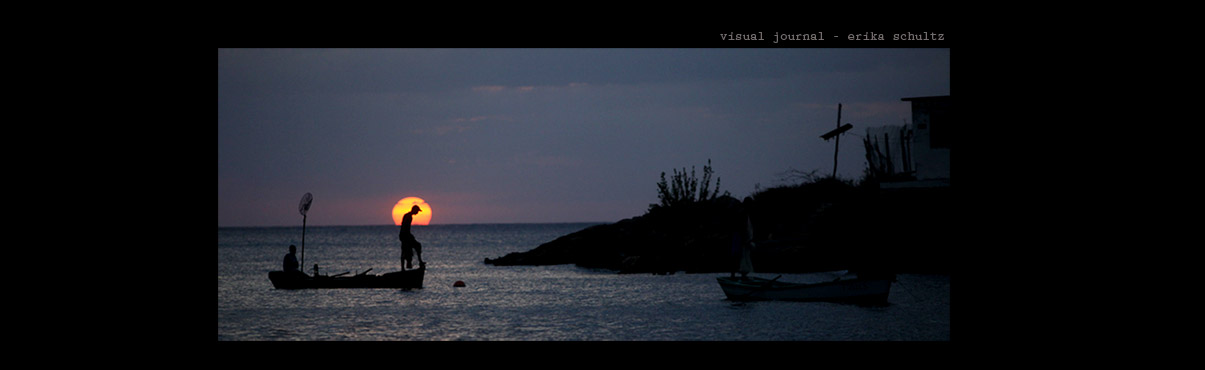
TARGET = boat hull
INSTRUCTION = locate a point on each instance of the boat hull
(862, 291)
(407, 279)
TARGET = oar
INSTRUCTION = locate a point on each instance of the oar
(771, 282)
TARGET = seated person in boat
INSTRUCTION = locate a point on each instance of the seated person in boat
(290, 264)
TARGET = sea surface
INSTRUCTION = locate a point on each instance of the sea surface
(527, 303)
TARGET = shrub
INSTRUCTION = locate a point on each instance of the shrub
(684, 188)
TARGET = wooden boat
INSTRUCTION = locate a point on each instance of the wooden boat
(862, 290)
(405, 279)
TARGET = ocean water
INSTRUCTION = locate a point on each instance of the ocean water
(527, 303)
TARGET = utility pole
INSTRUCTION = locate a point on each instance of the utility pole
(837, 133)
(837, 147)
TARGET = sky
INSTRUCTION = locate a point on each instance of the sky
(539, 135)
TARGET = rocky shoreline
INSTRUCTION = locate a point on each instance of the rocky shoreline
(818, 226)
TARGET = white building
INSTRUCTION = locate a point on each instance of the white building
(931, 138)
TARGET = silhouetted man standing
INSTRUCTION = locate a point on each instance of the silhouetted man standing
(410, 245)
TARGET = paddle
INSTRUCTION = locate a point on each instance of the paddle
(304, 207)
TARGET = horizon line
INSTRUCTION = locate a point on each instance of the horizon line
(451, 224)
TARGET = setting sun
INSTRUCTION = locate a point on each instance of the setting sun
(403, 206)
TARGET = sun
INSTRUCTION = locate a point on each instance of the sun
(403, 206)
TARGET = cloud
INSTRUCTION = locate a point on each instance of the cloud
(440, 130)
(863, 114)
(459, 125)
(537, 159)
(489, 88)
(472, 119)
(880, 112)
(528, 88)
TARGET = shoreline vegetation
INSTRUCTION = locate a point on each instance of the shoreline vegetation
(818, 224)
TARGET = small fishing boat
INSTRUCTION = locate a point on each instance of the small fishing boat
(862, 290)
(404, 279)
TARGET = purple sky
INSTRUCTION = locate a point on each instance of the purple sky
(538, 135)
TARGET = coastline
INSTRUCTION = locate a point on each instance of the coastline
(824, 225)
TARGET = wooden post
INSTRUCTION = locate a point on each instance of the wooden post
(887, 144)
(838, 146)
(905, 150)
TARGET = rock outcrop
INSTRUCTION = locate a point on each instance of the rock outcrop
(819, 226)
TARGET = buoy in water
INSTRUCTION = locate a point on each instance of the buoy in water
(458, 284)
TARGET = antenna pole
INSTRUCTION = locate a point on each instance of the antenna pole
(303, 217)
